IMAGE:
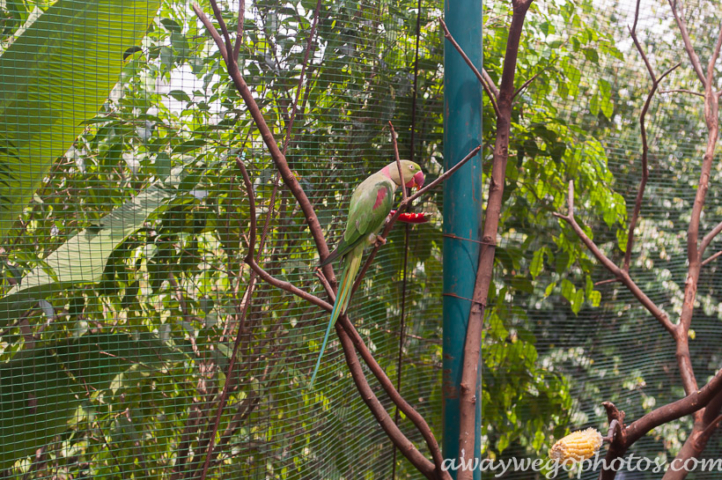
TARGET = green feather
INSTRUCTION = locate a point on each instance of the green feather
(352, 262)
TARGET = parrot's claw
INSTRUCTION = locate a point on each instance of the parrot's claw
(380, 240)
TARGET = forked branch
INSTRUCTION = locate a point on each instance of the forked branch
(622, 275)
(645, 145)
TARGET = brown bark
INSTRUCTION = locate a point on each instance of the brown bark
(472, 345)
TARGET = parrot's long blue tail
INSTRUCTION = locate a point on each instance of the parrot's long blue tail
(353, 262)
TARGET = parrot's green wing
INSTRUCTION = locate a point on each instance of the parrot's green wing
(369, 207)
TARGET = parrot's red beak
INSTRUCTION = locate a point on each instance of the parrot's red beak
(417, 181)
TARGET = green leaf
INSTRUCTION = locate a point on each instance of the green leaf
(568, 290)
(40, 389)
(594, 105)
(179, 95)
(162, 165)
(82, 258)
(577, 301)
(73, 51)
(189, 146)
(622, 237)
(171, 25)
(537, 263)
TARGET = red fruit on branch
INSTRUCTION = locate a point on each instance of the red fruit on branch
(422, 217)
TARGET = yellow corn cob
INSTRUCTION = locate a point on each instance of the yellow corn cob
(576, 446)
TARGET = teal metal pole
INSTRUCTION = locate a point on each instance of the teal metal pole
(462, 207)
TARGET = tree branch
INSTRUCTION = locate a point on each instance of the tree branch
(398, 161)
(279, 159)
(526, 84)
(645, 145)
(395, 396)
(708, 260)
(694, 59)
(250, 257)
(485, 82)
(405, 446)
(709, 237)
(681, 90)
(468, 402)
(489, 82)
(622, 275)
(239, 29)
(222, 24)
(683, 407)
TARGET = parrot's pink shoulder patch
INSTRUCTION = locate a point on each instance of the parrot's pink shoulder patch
(380, 195)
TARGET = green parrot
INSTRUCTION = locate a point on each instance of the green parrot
(370, 205)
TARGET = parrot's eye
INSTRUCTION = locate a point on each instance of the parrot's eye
(411, 167)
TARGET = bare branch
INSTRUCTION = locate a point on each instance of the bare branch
(388, 386)
(681, 90)
(250, 257)
(683, 407)
(526, 84)
(694, 59)
(398, 160)
(489, 83)
(645, 145)
(613, 268)
(222, 24)
(713, 59)
(407, 448)
(239, 29)
(707, 433)
(709, 237)
(710, 259)
(278, 157)
(482, 80)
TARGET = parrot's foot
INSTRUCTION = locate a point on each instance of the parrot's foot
(379, 241)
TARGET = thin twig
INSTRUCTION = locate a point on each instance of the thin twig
(398, 160)
(239, 29)
(482, 80)
(395, 396)
(710, 259)
(645, 144)
(681, 90)
(276, 155)
(709, 430)
(489, 82)
(222, 24)
(694, 59)
(709, 237)
(527, 83)
(713, 59)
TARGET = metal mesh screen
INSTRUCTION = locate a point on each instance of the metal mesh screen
(614, 351)
(124, 226)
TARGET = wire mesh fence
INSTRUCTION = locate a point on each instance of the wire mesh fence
(604, 346)
(125, 226)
